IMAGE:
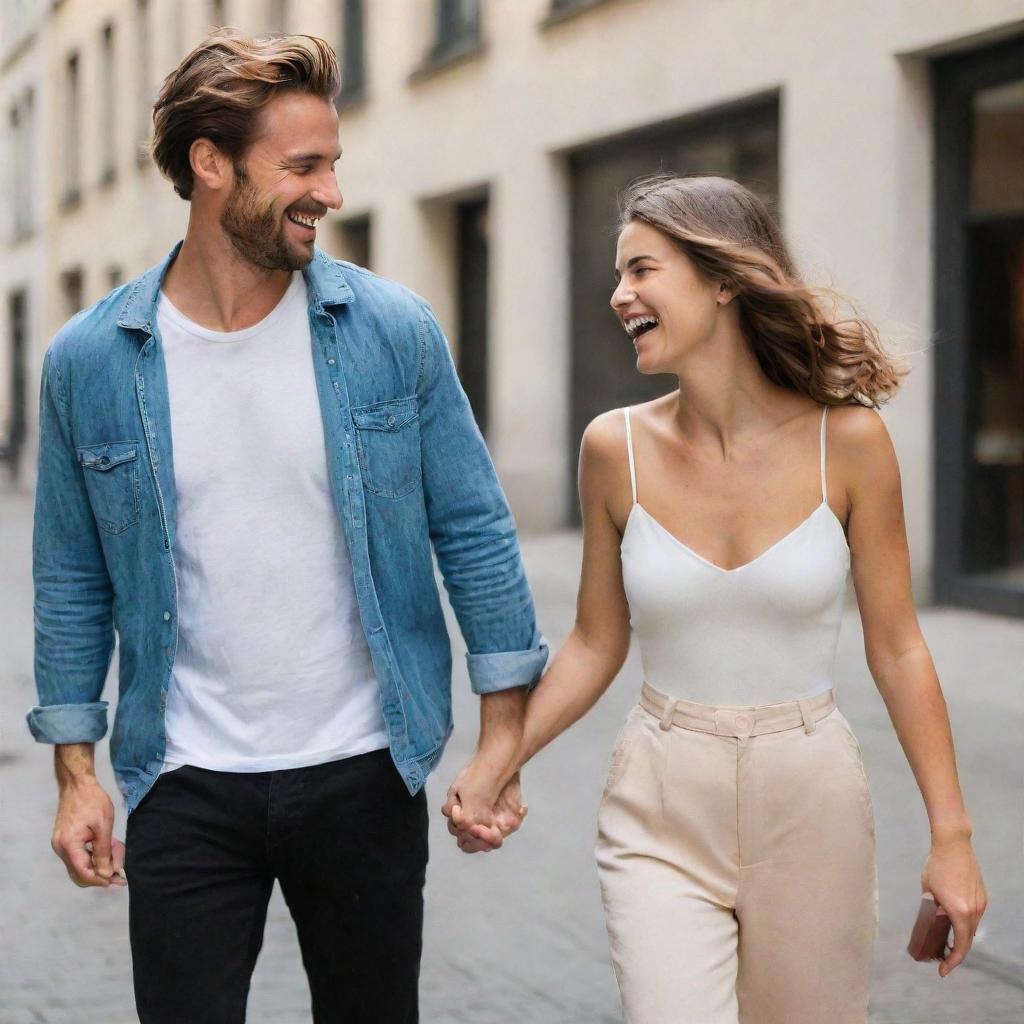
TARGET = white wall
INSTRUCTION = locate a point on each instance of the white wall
(855, 156)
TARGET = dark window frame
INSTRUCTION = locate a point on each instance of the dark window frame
(71, 187)
(16, 430)
(956, 79)
(453, 43)
(563, 10)
(108, 104)
(353, 53)
(143, 55)
(21, 134)
(357, 233)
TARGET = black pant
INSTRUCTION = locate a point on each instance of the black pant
(348, 845)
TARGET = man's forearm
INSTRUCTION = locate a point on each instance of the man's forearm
(74, 764)
(502, 715)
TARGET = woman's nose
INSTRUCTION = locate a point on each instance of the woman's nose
(622, 296)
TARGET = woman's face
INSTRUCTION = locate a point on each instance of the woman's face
(666, 306)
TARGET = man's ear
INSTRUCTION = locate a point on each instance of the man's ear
(210, 166)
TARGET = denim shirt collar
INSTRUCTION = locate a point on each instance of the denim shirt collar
(324, 279)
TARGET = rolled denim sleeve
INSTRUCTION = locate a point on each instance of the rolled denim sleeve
(472, 530)
(74, 637)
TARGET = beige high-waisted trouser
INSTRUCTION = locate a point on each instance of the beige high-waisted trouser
(736, 855)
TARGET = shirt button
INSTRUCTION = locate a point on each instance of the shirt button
(330, 362)
(105, 461)
(167, 616)
(391, 421)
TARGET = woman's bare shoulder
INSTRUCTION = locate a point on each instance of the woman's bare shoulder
(606, 434)
(859, 441)
(858, 429)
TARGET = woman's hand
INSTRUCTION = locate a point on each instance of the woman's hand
(503, 812)
(953, 877)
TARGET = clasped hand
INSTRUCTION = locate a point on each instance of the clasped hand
(481, 811)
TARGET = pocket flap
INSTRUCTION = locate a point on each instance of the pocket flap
(389, 416)
(106, 456)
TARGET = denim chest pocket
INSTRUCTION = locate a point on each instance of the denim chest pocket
(388, 444)
(112, 482)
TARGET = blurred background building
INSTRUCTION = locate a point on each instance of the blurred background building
(485, 141)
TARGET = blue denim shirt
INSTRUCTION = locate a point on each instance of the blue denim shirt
(409, 473)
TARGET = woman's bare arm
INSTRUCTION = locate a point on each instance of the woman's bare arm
(901, 663)
(594, 652)
(592, 655)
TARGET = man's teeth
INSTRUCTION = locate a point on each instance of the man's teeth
(306, 222)
(635, 324)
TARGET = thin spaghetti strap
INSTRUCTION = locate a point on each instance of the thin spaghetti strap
(824, 488)
(629, 448)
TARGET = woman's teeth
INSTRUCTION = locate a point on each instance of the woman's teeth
(637, 325)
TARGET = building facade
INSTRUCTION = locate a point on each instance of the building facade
(484, 143)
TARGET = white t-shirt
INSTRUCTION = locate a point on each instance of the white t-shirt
(272, 668)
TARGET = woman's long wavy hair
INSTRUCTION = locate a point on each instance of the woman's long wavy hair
(792, 328)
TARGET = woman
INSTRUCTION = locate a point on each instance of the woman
(736, 840)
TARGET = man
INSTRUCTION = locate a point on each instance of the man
(245, 457)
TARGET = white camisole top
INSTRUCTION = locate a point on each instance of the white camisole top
(762, 633)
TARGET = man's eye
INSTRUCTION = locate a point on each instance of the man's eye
(303, 170)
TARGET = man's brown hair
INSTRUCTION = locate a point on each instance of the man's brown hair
(218, 90)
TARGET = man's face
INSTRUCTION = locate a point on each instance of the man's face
(285, 183)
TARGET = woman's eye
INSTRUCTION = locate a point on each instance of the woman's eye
(640, 271)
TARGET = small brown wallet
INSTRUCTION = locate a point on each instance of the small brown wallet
(930, 936)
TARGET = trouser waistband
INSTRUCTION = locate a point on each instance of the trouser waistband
(738, 722)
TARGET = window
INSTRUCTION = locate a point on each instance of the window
(115, 277)
(108, 109)
(144, 110)
(561, 9)
(458, 27)
(979, 288)
(218, 13)
(12, 427)
(72, 131)
(22, 131)
(354, 240)
(72, 288)
(473, 258)
(353, 66)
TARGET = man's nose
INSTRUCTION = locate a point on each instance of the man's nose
(329, 193)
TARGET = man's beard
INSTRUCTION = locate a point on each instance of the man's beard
(256, 230)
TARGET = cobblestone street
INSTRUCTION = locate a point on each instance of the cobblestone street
(518, 935)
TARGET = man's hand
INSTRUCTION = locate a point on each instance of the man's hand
(479, 793)
(505, 816)
(85, 819)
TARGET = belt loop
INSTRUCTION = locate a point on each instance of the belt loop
(668, 713)
(807, 715)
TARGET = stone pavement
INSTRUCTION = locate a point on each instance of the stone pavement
(518, 935)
